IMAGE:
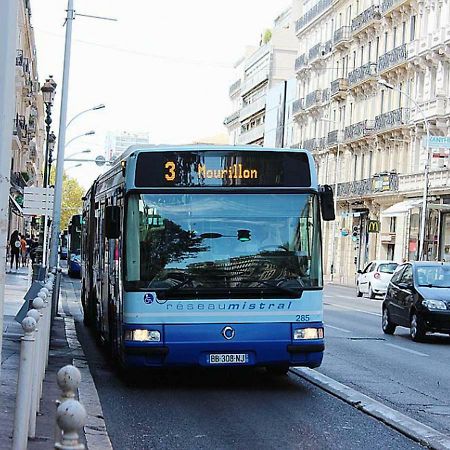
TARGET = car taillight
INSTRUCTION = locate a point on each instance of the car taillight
(376, 275)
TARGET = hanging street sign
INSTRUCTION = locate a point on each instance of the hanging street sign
(437, 142)
(37, 201)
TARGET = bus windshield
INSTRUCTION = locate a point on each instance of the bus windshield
(233, 241)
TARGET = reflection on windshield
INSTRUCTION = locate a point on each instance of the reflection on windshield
(434, 276)
(229, 241)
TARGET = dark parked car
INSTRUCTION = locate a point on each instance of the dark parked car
(418, 297)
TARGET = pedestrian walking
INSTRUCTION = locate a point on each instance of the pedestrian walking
(23, 251)
(14, 248)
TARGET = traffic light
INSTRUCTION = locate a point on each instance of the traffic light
(355, 233)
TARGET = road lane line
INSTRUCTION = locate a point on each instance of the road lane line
(353, 309)
(411, 428)
(414, 352)
(337, 328)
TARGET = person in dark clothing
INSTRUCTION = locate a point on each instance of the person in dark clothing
(14, 248)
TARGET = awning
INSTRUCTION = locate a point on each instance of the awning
(16, 208)
(401, 207)
(406, 205)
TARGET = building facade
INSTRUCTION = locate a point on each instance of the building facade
(27, 155)
(258, 95)
(116, 144)
(368, 140)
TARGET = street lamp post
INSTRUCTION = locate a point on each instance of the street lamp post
(94, 108)
(387, 85)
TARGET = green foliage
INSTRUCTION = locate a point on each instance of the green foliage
(267, 36)
(71, 198)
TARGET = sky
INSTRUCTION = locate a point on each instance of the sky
(164, 67)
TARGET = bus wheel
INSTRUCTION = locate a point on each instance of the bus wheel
(278, 371)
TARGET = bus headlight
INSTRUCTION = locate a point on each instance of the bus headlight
(308, 333)
(434, 304)
(143, 335)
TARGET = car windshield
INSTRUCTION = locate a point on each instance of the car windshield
(387, 268)
(434, 276)
(222, 241)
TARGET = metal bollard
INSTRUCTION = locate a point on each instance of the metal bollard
(23, 397)
(70, 416)
(68, 379)
(35, 314)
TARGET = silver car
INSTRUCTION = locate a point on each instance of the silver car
(374, 279)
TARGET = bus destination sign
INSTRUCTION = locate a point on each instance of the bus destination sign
(227, 168)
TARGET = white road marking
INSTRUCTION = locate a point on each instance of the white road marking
(414, 352)
(353, 309)
(346, 297)
(337, 328)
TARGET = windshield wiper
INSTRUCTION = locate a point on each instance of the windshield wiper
(284, 289)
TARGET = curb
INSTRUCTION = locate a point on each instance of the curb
(97, 437)
(411, 428)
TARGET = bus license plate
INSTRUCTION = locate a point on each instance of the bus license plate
(228, 358)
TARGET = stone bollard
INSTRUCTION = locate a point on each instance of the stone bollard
(68, 379)
(39, 305)
(35, 314)
(23, 397)
(70, 416)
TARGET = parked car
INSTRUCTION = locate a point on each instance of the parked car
(74, 265)
(374, 279)
(418, 297)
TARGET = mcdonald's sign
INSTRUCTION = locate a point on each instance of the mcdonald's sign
(373, 226)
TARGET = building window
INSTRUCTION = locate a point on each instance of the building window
(385, 41)
(377, 48)
(403, 32)
(362, 55)
(394, 37)
(412, 31)
(355, 165)
(392, 225)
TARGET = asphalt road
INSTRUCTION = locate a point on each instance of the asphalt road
(413, 378)
(224, 409)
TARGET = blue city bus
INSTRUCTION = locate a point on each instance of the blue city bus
(74, 246)
(207, 256)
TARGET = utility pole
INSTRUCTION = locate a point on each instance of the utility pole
(53, 262)
(8, 31)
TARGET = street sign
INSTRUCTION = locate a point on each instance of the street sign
(37, 201)
(373, 226)
(438, 142)
(100, 160)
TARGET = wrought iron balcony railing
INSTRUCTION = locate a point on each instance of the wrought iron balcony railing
(313, 98)
(334, 137)
(386, 5)
(337, 86)
(231, 118)
(301, 62)
(317, 9)
(19, 57)
(20, 127)
(382, 182)
(298, 106)
(342, 34)
(392, 58)
(392, 119)
(358, 130)
(369, 15)
(327, 47)
(362, 73)
(309, 144)
(17, 180)
(315, 52)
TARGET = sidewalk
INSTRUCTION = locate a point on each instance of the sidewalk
(16, 285)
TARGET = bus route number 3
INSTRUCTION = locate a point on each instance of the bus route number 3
(170, 175)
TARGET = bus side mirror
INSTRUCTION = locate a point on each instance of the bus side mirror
(112, 222)
(327, 202)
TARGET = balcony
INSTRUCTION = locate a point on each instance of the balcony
(339, 88)
(388, 6)
(379, 183)
(438, 181)
(235, 87)
(252, 108)
(334, 138)
(309, 144)
(327, 47)
(366, 18)
(301, 63)
(18, 181)
(311, 14)
(250, 83)
(321, 143)
(252, 135)
(313, 99)
(393, 58)
(231, 119)
(391, 119)
(315, 53)
(359, 130)
(19, 57)
(298, 107)
(20, 127)
(342, 37)
(361, 74)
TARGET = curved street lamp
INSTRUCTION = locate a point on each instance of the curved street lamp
(88, 133)
(94, 108)
(78, 153)
(387, 85)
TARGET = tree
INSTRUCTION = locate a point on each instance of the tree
(71, 198)
(267, 36)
